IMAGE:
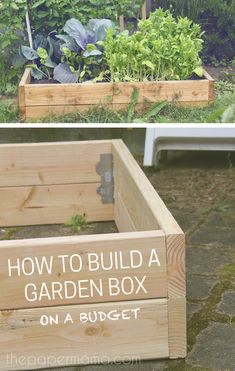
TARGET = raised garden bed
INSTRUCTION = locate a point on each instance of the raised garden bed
(38, 100)
(144, 286)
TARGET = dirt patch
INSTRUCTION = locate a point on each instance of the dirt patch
(44, 231)
(221, 73)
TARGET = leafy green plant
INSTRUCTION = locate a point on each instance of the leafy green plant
(46, 16)
(8, 111)
(217, 20)
(77, 222)
(225, 86)
(69, 57)
(53, 13)
(130, 115)
(229, 114)
(42, 59)
(82, 50)
(163, 48)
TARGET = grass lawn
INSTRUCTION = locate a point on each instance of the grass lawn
(162, 113)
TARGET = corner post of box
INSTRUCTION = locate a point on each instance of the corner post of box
(105, 169)
(211, 89)
(22, 104)
(176, 295)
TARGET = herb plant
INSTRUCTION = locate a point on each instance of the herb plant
(217, 19)
(163, 48)
(77, 222)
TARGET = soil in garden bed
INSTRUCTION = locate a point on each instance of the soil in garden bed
(57, 230)
(46, 81)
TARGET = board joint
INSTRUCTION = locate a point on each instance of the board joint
(105, 169)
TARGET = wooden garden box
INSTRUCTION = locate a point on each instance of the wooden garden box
(38, 100)
(59, 304)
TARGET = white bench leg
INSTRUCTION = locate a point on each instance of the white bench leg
(149, 146)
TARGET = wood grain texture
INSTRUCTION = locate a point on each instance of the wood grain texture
(148, 212)
(171, 91)
(176, 265)
(144, 205)
(51, 204)
(13, 288)
(177, 327)
(35, 112)
(122, 218)
(68, 94)
(25, 80)
(51, 163)
(40, 100)
(21, 335)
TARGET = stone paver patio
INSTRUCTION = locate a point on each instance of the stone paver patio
(199, 189)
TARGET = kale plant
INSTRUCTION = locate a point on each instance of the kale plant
(42, 58)
(82, 50)
(163, 48)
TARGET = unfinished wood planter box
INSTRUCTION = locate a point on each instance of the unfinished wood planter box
(38, 100)
(49, 287)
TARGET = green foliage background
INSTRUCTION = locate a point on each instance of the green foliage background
(217, 18)
(46, 15)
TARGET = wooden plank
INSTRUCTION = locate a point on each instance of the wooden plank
(176, 265)
(39, 100)
(25, 80)
(128, 259)
(149, 212)
(68, 94)
(177, 328)
(36, 112)
(142, 335)
(53, 204)
(144, 10)
(171, 91)
(121, 23)
(122, 218)
(211, 95)
(51, 163)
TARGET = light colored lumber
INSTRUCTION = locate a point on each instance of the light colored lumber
(211, 95)
(122, 218)
(176, 265)
(144, 10)
(136, 191)
(51, 163)
(25, 80)
(149, 212)
(68, 94)
(177, 327)
(51, 204)
(143, 338)
(171, 91)
(208, 76)
(13, 282)
(121, 23)
(35, 112)
(38, 100)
